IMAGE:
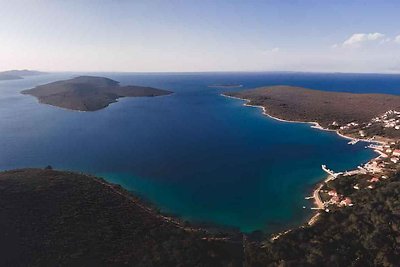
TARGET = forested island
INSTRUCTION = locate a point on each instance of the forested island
(88, 93)
(18, 74)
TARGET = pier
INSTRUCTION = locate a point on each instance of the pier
(353, 142)
(330, 172)
(350, 173)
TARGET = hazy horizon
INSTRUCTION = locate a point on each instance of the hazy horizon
(207, 36)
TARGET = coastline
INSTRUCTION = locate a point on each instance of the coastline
(314, 125)
(317, 201)
(71, 94)
(89, 111)
(122, 221)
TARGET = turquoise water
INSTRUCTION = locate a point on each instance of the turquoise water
(195, 154)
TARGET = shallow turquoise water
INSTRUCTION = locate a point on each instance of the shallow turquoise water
(194, 154)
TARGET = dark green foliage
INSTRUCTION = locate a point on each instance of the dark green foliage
(51, 218)
(301, 104)
(88, 93)
(56, 218)
(367, 234)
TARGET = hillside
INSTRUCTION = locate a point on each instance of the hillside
(53, 218)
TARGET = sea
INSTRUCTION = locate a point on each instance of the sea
(195, 154)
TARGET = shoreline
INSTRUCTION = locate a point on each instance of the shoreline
(314, 125)
(121, 218)
(90, 111)
(317, 201)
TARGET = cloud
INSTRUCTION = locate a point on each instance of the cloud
(357, 39)
(397, 39)
(271, 51)
(385, 40)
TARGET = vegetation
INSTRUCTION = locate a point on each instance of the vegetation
(88, 93)
(49, 217)
(301, 104)
(52, 218)
(366, 234)
(361, 223)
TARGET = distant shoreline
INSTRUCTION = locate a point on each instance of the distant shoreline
(226, 86)
(18, 74)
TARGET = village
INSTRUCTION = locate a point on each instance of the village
(339, 188)
(387, 125)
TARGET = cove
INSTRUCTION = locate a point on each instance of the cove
(194, 154)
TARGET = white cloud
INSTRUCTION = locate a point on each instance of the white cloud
(357, 39)
(397, 39)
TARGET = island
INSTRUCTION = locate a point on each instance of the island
(357, 219)
(55, 218)
(18, 74)
(88, 93)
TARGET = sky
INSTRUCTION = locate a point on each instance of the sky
(207, 35)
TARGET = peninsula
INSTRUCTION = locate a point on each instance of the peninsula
(301, 104)
(58, 218)
(88, 93)
(18, 74)
(357, 219)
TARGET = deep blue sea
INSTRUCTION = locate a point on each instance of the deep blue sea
(194, 154)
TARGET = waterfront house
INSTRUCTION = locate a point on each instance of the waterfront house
(346, 202)
(374, 180)
(332, 193)
(396, 152)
